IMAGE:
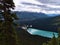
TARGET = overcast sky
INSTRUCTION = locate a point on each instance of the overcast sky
(45, 6)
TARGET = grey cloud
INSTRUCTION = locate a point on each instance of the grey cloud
(31, 4)
(54, 2)
(25, 3)
(50, 9)
(44, 7)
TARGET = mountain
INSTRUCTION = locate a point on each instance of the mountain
(37, 20)
(28, 16)
(43, 24)
(52, 15)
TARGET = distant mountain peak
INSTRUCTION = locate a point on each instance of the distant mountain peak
(30, 15)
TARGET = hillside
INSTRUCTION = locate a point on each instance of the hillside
(27, 39)
(37, 20)
(43, 24)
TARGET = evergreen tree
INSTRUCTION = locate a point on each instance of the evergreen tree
(53, 41)
(8, 34)
(57, 23)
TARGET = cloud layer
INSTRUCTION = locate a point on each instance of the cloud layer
(45, 6)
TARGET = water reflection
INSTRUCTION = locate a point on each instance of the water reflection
(42, 33)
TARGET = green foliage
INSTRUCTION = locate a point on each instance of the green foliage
(44, 44)
(54, 40)
(8, 35)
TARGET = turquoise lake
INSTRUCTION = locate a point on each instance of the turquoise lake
(43, 33)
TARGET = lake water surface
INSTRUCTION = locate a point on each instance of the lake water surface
(43, 33)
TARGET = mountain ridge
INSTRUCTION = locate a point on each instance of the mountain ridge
(30, 15)
(43, 23)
